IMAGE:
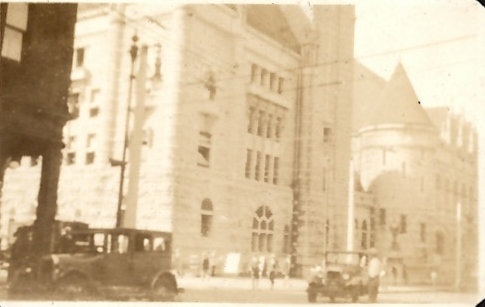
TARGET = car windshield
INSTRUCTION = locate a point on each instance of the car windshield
(343, 258)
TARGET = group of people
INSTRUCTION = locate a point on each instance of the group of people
(269, 267)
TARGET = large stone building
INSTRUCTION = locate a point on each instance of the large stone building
(413, 168)
(246, 128)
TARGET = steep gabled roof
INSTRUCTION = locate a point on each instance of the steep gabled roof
(399, 103)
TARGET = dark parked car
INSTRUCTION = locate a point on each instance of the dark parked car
(20, 263)
(341, 277)
(115, 264)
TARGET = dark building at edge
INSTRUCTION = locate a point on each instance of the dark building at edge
(36, 43)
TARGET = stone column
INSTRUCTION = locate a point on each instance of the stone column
(47, 201)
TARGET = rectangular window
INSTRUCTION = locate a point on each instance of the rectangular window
(204, 149)
(281, 82)
(251, 120)
(93, 112)
(258, 166)
(276, 162)
(438, 182)
(327, 134)
(422, 232)
(421, 184)
(267, 165)
(90, 157)
(71, 158)
(254, 73)
(73, 105)
(382, 216)
(269, 128)
(278, 129)
(15, 27)
(403, 224)
(261, 129)
(79, 57)
(384, 157)
(273, 80)
(249, 155)
(264, 76)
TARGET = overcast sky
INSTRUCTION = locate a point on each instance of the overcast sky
(437, 44)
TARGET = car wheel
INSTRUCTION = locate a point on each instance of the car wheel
(332, 299)
(312, 297)
(164, 289)
(75, 287)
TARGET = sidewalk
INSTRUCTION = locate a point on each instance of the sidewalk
(245, 283)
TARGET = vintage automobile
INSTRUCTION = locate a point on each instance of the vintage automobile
(342, 276)
(114, 264)
(20, 260)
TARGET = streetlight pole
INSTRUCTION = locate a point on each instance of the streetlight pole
(133, 54)
(458, 247)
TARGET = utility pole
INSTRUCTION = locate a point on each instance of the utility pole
(122, 164)
(135, 143)
(458, 247)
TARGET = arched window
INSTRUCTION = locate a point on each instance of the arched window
(363, 242)
(207, 213)
(263, 229)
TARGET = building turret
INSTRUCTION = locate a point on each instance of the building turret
(395, 162)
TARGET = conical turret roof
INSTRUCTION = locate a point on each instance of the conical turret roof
(399, 103)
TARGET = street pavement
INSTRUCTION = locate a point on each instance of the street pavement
(239, 291)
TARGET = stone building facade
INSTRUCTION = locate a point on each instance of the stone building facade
(246, 133)
(414, 168)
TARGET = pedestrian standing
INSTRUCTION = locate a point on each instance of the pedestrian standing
(213, 264)
(255, 271)
(374, 271)
(205, 267)
(394, 275)
(285, 269)
(272, 270)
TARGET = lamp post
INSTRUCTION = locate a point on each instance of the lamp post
(133, 54)
(458, 247)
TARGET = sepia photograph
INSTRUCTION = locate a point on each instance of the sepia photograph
(273, 153)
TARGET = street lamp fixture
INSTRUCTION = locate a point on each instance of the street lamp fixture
(122, 164)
